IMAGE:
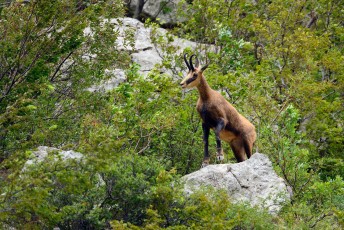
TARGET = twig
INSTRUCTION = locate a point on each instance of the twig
(320, 218)
(280, 111)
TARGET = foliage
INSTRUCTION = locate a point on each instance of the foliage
(131, 124)
(130, 188)
(44, 195)
(289, 85)
(205, 209)
(46, 60)
(278, 62)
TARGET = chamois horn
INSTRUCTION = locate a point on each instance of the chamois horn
(197, 62)
(186, 62)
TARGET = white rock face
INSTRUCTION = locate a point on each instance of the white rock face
(253, 181)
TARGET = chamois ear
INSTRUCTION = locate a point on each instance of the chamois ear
(197, 62)
(204, 67)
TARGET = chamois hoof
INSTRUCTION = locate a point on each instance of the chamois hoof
(220, 158)
(205, 163)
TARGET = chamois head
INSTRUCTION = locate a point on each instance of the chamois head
(194, 75)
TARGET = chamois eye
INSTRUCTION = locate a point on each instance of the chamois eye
(195, 75)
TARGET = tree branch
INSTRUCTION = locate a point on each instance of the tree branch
(320, 218)
(52, 78)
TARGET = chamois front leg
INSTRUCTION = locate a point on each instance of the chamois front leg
(206, 158)
(219, 153)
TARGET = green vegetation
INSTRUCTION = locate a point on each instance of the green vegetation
(280, 63)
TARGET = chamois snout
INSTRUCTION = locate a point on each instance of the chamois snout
(182, 84)
(191, 80)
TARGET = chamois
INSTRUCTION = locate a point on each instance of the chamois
(219, 115)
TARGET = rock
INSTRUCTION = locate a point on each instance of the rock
(69, 159)
(143, 51)
(165, 10)
(42, 152)
(253, 181)
(117, 76)
(147, 59)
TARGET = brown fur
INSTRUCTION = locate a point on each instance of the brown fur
(217, 113)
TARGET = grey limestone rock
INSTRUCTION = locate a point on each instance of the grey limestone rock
(253, 181)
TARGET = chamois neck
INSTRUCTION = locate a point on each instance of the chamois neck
(203, 89)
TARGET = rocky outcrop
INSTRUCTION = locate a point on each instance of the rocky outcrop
(164, 10)
(253, 181)
(143, 51)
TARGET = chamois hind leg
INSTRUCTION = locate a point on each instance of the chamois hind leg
(238, 148)
(248, 143)
(248, 148)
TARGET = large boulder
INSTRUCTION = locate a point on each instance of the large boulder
(253, 181)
